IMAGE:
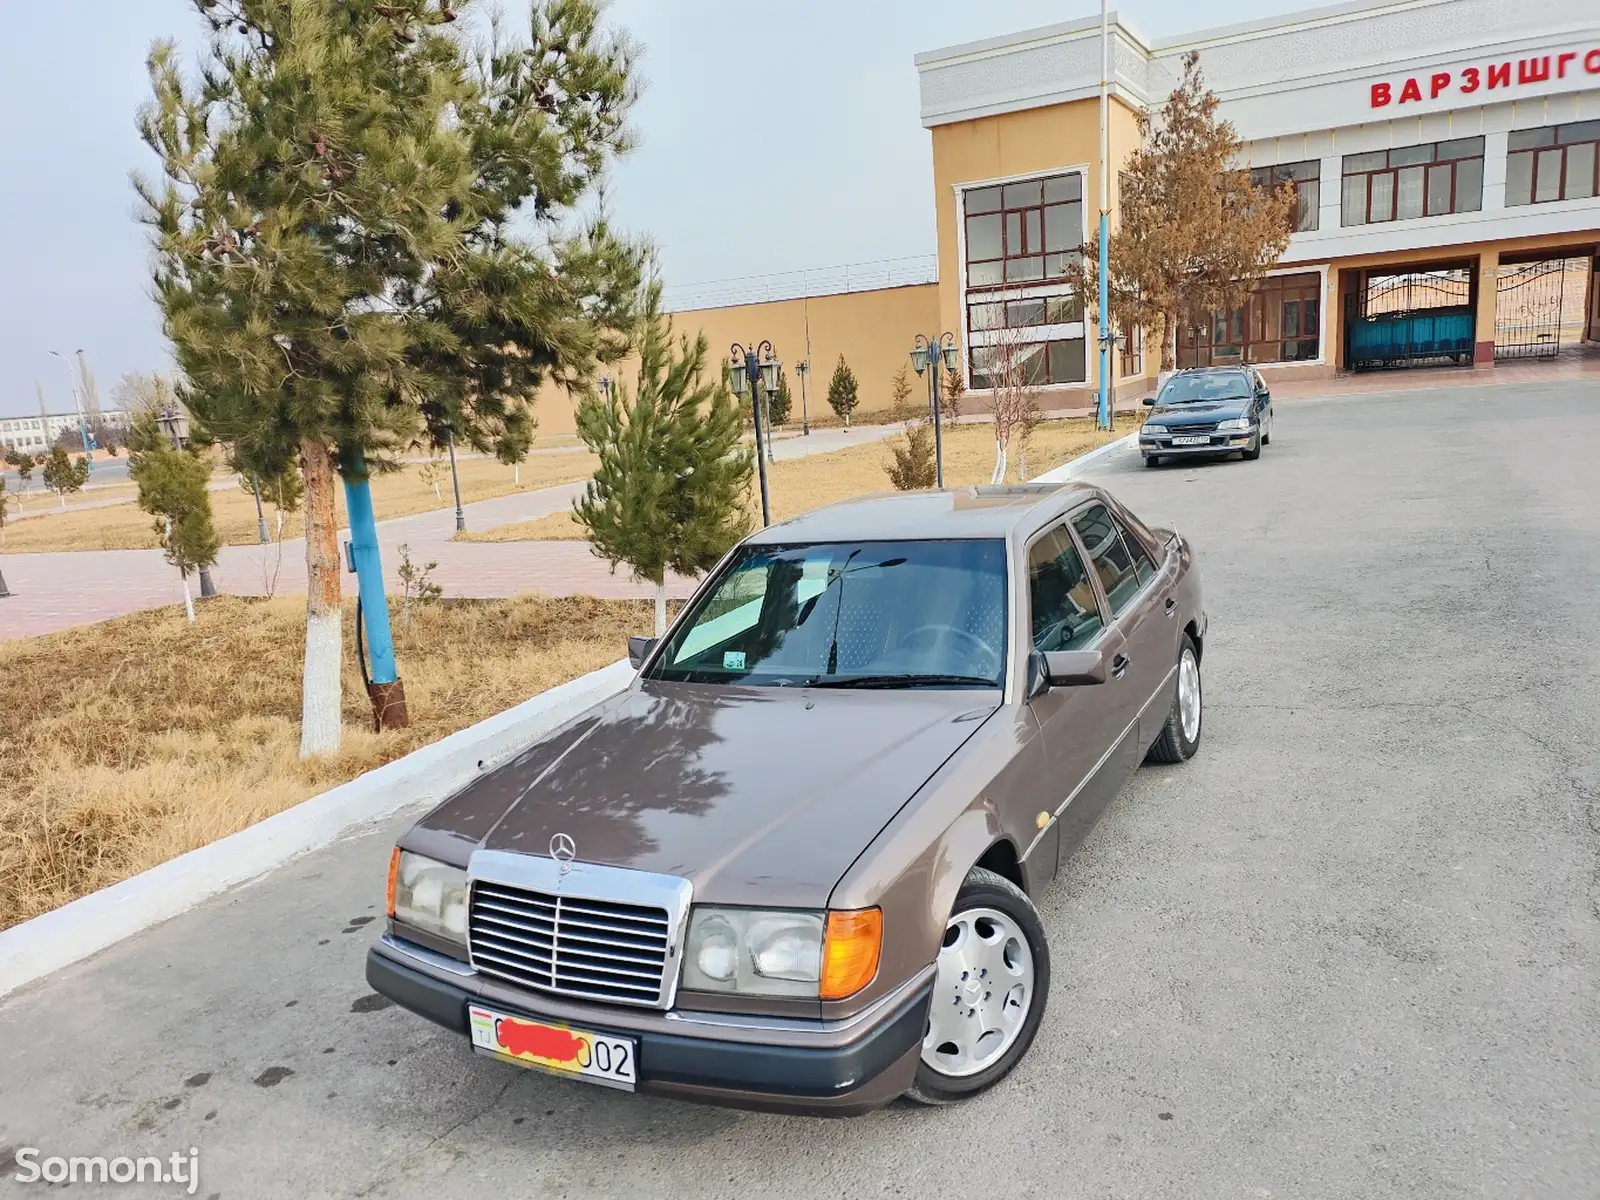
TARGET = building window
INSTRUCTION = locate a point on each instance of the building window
(1413, 181)
(1024, 314)
(1280, 322)
(1558, 162)
(1060, 360)
(1022, 233)
(1133, 353)
(1307, 179)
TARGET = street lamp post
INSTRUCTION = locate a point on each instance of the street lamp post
(802, 369)
(605, 389)
(753, 371)
(176, 426)
(455, 483)
(77, 409)
(933, 355)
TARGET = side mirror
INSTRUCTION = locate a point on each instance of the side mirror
(639, 649)
(1074, 668)
(1149, 401)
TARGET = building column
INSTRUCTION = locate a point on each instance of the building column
(1488, 285)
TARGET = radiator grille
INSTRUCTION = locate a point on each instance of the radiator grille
(594, 949)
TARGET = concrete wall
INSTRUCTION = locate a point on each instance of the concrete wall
(873, 330)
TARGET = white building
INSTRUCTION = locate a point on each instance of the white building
(35, 435)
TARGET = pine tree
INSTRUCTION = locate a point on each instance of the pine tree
(781, 406)
(842, 391)
(367, 233)
(23, 465)
(913, 464)
(672, 487)
(900, 395)
(951, 393)
(64, 474)
(1194, 232)
(173, 487)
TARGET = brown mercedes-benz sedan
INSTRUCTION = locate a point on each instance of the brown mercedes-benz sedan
(791, 865)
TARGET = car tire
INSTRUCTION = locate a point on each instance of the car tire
(1152, 460)
(1175, 745)
(1251, 453)
(1010, 939)
(1266, 432)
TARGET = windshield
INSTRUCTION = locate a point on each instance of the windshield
(849, 614)
(1185, 389)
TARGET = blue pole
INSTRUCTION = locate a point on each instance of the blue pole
(369, 573)
(1105, 325)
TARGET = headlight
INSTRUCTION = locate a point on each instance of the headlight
(428, 895)
(785, 952)
(1234, 425)
(752, 952)
(1153, 431)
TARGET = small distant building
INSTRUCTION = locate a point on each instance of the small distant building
(34, 435)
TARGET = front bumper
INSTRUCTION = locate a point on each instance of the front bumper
(828, 1068)
(1218, 443)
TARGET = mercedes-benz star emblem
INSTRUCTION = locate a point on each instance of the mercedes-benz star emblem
(563, 849)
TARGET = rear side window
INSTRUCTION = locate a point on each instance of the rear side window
(1066, 615)
(1121, 559)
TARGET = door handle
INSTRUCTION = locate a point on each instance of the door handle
(1171, 607)
(1120, 665)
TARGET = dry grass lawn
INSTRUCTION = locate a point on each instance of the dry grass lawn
(801, 484)
(125, 527)
(143, 737)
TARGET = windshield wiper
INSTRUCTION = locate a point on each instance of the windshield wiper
(898, 681)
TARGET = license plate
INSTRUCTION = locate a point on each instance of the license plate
(559, 1049)
(1191, 441)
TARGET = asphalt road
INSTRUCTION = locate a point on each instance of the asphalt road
(1351, 950)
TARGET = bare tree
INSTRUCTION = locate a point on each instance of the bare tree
(1013, 365)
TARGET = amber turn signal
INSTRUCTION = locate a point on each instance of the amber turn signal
(394, 873)
(850, 950)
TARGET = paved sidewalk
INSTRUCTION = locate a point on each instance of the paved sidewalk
(52, 592)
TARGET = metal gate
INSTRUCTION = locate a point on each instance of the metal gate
(1527, 309)
(1409, 319)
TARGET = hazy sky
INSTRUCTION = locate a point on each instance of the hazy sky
(819, 95)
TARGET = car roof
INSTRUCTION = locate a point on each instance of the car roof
(1212, 371)
(984, 511)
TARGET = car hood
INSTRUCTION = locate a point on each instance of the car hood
(1199, 412)
(755, 795)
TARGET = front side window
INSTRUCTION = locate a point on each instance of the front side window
(1118, 569)
(1413, 181)
(1557, 162)
(1023, 233)
(1065, 613)
(848, 614)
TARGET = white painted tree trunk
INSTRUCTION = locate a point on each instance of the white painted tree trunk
(999, 475)
(320, 684)
(188, 599)
(63, 502)
(661, 608)
(319, 696)
(516, 473)
(437, 494)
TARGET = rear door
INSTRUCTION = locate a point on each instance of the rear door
(1134, 595)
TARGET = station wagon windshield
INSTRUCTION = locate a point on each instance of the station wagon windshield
(891, 614)
(1184, 389)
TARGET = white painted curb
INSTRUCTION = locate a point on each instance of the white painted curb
(88, 925)
(1071, 468)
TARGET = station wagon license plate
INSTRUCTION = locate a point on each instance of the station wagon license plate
(1191, 440)
(561, 1050)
